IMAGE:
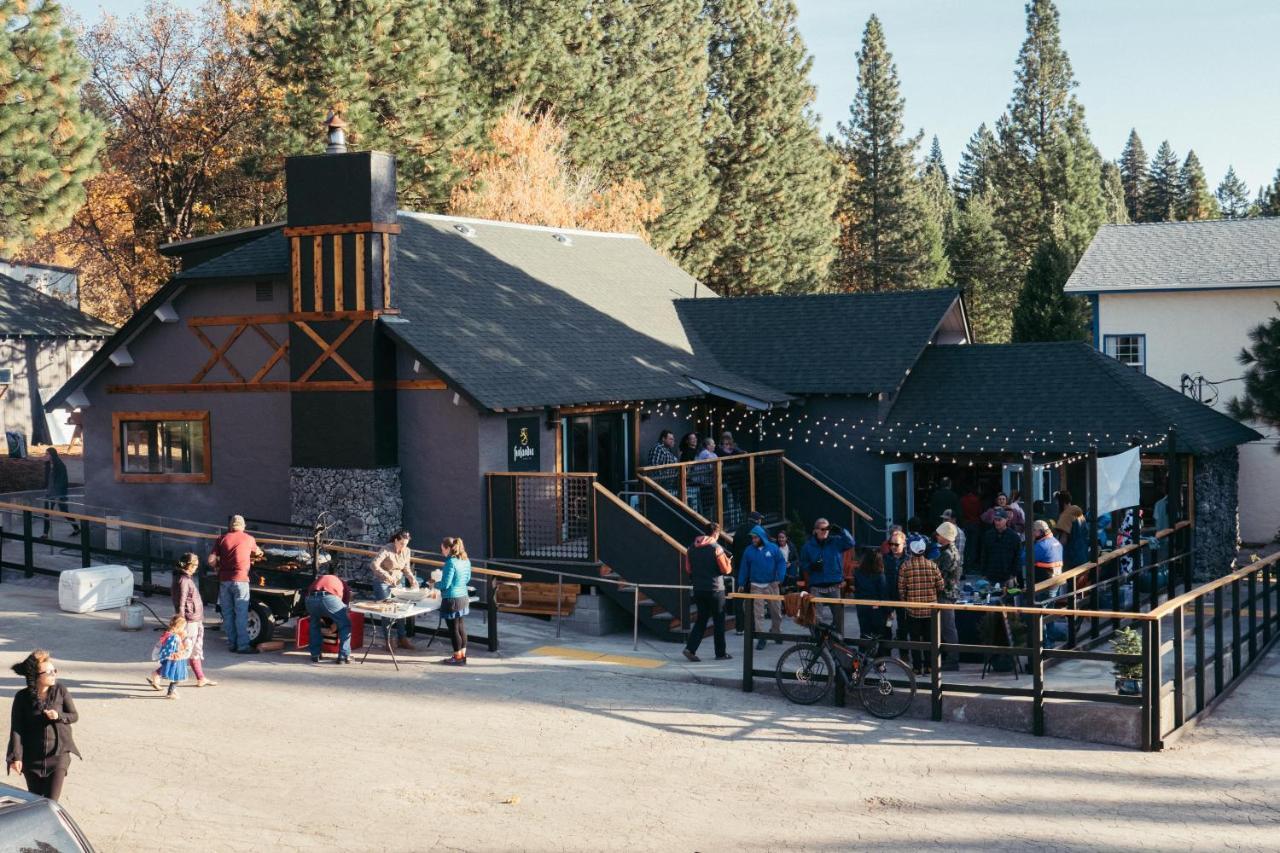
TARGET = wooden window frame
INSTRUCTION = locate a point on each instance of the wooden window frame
(117, 439)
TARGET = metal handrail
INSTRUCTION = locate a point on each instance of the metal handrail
(835, 484)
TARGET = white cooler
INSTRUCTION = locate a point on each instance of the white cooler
(94, 588)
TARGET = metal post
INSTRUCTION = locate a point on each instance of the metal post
(1071, 620)
(491, 594)
(935, 664)
(86, 556)
(719, 492)
(1199, 635)
(1253, 616)
(28, 547)
(559, 596)
(635, 621)
(1092, 497)
(748, 651)
(1217, 641)
(1235, 629)
(1266, 605)
(1179, 667)
(1028, 508)
(751, 484)
(1135, 580)
(146, 562)
(2, 553)
(1154, 677)
(1035, 633)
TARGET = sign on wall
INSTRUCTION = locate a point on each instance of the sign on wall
(523, 445)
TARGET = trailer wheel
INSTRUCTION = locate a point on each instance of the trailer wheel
(262, 624)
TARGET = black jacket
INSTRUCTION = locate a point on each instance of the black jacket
(35, 740)
(1001, 555)
(56, 481)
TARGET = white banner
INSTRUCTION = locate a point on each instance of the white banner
(1119, 480)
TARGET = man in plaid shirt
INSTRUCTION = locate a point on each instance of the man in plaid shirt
(919, 580)
(663, 453)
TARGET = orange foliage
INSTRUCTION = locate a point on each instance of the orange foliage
(525, 176)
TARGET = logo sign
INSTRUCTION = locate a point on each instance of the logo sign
(522, 445)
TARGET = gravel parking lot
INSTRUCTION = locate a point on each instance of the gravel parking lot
(513, 754)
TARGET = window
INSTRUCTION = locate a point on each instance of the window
(161, 447)
(6, 376)
(1127, 349)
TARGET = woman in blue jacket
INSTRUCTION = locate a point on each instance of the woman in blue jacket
(455, 596)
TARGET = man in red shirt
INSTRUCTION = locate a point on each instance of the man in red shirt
(329, 596)
(232, 553)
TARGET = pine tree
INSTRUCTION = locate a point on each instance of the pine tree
(1269, 198)
(974, 174)
(883, 204)
(772, 228)
(628, 79)
(388, 65)
(1113, 201)
(935, 162)
(1133, 175)
(1233, 196)
(1164, 189)
(1044, 312)
(1261, 359)
(1045, 157)
(1195, 202)
(48, 139)
(980, 269)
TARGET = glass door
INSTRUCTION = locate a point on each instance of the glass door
(598, 443)
(899, 492)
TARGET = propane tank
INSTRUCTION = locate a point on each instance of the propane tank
(131, 616)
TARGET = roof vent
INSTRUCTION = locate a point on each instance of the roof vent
(336, 133)
(465, 230)
(563, 240)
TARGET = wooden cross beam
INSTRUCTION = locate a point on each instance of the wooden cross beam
(281, 349)
(330, 351)
(219, 352)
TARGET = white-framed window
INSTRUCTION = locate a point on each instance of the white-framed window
(1127, 349)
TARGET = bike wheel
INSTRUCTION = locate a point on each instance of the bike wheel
(804, 674)
(886, 687)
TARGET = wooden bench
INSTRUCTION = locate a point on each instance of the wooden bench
(538, 599)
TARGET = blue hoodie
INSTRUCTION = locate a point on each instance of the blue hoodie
(761, 565)
(832, 556)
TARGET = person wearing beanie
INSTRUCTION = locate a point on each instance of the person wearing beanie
(951, 567)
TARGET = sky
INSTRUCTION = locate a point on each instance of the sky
(1199, 73)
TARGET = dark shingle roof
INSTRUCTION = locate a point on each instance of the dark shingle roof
(266, 255)
(1043, 397)
(26, 312)
(518, 318)
(855, 343)
(1215, 253)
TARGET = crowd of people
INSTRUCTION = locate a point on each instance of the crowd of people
(40, 740)
(700, 479)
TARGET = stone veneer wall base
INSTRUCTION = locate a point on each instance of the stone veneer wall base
(1217, 530)
(353, 497)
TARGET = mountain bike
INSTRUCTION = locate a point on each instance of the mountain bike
(806, 672)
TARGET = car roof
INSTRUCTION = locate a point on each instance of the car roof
(28, 821)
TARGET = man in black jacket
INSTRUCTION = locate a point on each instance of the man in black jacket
(706, 563)
(1001, 551)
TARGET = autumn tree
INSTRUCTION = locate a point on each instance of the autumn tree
(523, 174)
(48, 139)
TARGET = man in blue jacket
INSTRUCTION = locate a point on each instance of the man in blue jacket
(762, 571)
(822, 566)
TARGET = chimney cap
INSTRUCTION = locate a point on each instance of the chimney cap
(334, 119)
(336, 133)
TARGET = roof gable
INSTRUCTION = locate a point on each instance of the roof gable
(1044, 397)
(1220, 253)
(850, 343)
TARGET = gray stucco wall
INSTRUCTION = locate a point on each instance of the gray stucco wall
(250, 432)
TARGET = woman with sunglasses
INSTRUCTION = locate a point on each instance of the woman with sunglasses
(40, 741)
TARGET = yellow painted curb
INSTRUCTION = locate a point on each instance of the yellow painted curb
(570, 653)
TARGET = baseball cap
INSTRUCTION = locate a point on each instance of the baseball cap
(917, 546)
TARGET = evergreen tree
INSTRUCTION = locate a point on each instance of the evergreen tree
(1044, 312)
(772, 228)
(882, 207)
(1233, 196)
(1164, 188)
(628, 79)
(939, 201)
(1268, 203)
(388, 65)
(1113, 200)
(1133, 175)
(935, 162)
(1195, 202)
(979, 268)
(1261, 359)
(974, 174)
(48, 140)
(1045, 157)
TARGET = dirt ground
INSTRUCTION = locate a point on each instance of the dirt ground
(509, 754)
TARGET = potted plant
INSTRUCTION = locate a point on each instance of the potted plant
(1127, 641)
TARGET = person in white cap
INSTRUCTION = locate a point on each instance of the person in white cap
(919, 581)
(951, 567)
(232, 554)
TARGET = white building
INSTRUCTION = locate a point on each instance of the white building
(1177, 300)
